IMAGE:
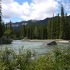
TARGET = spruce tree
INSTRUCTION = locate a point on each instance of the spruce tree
(58, 27)
(62, 21)
(22, 31)
(39, 28)
(1, 30)
(42, 32)
(66, 28)
(10, 25)
(45, 31)
(36, 32)
(27, 31)
(53, 26)
(69, 30)
(49, 29)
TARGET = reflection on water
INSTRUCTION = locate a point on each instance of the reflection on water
(39, 47)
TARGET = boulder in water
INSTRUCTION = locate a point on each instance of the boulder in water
(52, 43)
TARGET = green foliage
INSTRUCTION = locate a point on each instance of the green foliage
(23, 31)
(58, 27)
(57, 59)
(62, 22)
(34, 32)
(49, 29)
(4, 40)
(7, 32)
(1, 27)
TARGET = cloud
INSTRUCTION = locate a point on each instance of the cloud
(37, 9)
(66, 4)
(41, 10)
(7, 1)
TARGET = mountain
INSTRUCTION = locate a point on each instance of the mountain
(17, 25)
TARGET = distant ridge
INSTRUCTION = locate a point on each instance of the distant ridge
(17, 25)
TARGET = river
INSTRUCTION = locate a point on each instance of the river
(39, 47)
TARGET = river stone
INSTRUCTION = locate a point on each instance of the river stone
(52, 43)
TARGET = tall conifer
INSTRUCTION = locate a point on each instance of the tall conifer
(1, 31)
(62, 21)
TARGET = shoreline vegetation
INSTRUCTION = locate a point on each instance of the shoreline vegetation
(5, 40)
(57, 59)
(57, 27)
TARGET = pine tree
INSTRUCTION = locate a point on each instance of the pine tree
(58, 27)
(39, 29)
(10, 25)
(27, 31)
(45, 31)
(69, 30)
(53, 33)
(66, 28)
(42, 32)
(49, 29)
(1, 30)
(36, 32)
(30, 31)
(22, 31)
(62, 21)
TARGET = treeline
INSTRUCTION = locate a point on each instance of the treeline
(34, 31)
(57, 28)
(6, 31)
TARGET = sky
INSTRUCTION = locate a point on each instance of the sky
(24, 10)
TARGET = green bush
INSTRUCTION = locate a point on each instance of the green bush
(58, 59)
(5, 40)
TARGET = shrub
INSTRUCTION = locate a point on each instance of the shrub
(5, 40)
(58, 59)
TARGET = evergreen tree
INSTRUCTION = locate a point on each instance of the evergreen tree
(42, 32)
(1, 30)
(6, 26)
(66, 28)
(33, 28)
(45, 31)
(27, 32)
(53, 26)
(69, 30)
(3, 27)
(30, 30)
(22, 31)
(36, 32)
(58, 27)
(39, 29)
(62, 21)
(49, 29)
(10, 25)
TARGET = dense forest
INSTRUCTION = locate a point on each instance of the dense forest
(57, 28)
